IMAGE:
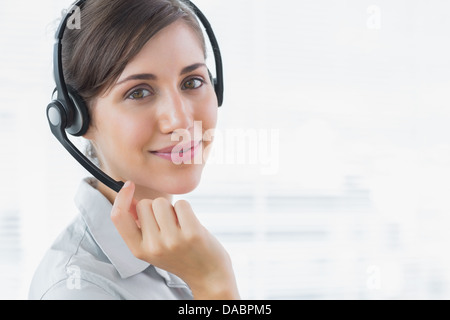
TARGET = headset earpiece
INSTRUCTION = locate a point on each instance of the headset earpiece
(80, 121)
(56, 115)
(74, 113)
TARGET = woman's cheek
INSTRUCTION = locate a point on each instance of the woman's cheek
(128, 135)
(209, 112)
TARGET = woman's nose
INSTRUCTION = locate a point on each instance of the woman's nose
(176, 113)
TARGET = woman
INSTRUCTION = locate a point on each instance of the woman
(140, 67)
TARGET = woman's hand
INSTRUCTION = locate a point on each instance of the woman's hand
(172, 238)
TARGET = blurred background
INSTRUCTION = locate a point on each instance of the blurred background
(330, 178)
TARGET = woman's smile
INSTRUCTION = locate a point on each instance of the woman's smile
(175, 153)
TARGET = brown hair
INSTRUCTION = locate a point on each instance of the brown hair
(112, 33)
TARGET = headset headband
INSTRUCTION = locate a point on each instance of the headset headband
(64, 112)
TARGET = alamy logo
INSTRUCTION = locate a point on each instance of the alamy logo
(374, 278)
(74, 20)
(73, 282)
(232, 147)
(374, 19)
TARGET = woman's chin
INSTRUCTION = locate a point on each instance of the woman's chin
(183, 187)
(172, 184)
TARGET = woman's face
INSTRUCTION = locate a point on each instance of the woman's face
(152, 108)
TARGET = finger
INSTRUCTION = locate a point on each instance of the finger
(165, 216)
(149, 226)
(122, 218)
(134, 212)
(124, 198)
(186, 216)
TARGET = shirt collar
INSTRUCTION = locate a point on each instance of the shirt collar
(96, 210)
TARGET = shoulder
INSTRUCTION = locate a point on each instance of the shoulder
(73, 268)
(75, 289)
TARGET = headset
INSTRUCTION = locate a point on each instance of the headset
(69, 113)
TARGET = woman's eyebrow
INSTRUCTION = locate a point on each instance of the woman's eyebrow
(192, 68)
(149, 76)
(140, 76)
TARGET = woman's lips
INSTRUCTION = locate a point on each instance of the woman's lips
(179, 152)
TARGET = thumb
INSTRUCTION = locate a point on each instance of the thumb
(123, 213)
(124, 198)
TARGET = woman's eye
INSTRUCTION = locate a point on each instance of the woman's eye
(139, 94)
(192, 84)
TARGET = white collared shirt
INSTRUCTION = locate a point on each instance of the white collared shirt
(90, 260)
